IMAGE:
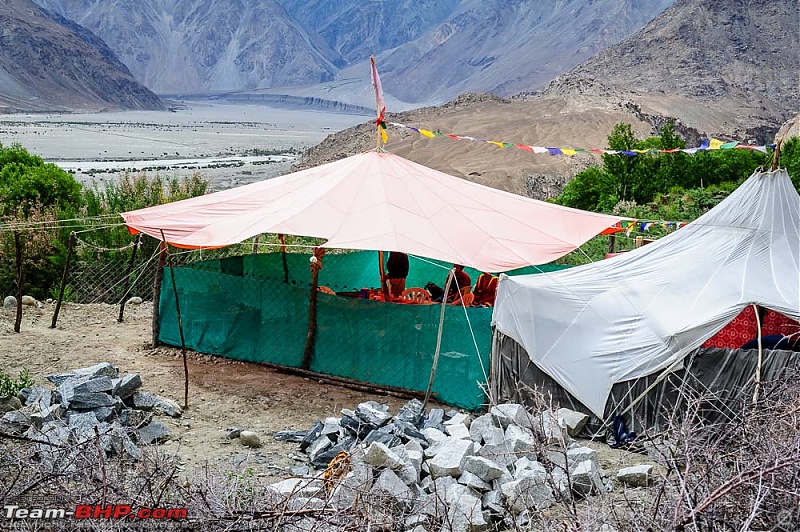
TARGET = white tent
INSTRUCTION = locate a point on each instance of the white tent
(643, 311)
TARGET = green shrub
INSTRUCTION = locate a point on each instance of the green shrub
(10, 387)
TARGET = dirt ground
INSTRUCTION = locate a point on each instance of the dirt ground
(222, 393)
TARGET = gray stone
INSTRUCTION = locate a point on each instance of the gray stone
(414, 458)
(10, 302)
(127, 385)
(498, 453)
(483, 468)
(331, 428)
(135, 300)
(380, 456)
(49, 413)
(94, 385)
(416, 521)
(8, 404)
(408, 430)
(471, 480)
(390, 486)
(115, 440)
(561, 483)
(531, 490)
(411, 412)
(39, 398)
(134, 418)
(579, 454)
(322, 459)
(355, 483)
(450, 456)
(153, 432)
(82, 425)
(525, 464)
(53, 432)
(408, 474)
(481, 425)
(458, 431)
(586, 478)
(159, 405)
(433, 435)
(233, 433)
(373, 413)
(294, 436)
(15, 422)
(414, 445)
(511, 414)
(459, 418)
(312, 435)
(90, 401)
(249, 438)
(380, 436)
(464, 511)
(435, 419)
(519, 439)
(305, 503)
(316, 448)
(493, 501)
(298, 487)
(551, 430)
(572, 420)
(636, 476)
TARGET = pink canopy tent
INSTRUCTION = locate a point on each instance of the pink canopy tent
(380, 201)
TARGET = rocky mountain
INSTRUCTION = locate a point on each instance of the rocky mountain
(723, 67)
(508, 46)
(177, 46)
(429, 50)
(49, 63)
(356, 29)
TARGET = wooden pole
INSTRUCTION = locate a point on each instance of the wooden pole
(384, 288)
(311, 337)
(162, 259)
(64, 275)
(777, 155)
(180, 329)
(18, 253)
(255, 245)
(128, 277)
(612, 243)
(438, 338)
(282, 238)
(760, 356)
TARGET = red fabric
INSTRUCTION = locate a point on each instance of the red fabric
(743, 329)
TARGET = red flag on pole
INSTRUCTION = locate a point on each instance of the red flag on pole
(380, 105)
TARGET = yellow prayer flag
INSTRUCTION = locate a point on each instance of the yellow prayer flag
(714, 144)
(496, 143)
(426, 133)
(384, 136)
(568, 151)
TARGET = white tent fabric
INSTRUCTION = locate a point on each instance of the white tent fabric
(643, 311)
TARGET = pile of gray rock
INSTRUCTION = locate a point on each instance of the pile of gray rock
(89, 403)
(471, 472)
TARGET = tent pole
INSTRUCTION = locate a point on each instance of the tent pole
(70, 248)
(128, 276)
(612, 241)
(438, 338)
(760, 356)
(384, 288)
(282, 238)
(18, 253)
(180, 329)
(311, 337)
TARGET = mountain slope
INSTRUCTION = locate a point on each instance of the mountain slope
(508, 46)
(48, 63)
(725, 66)
(196, 45)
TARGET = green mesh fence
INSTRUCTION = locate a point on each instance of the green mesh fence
(243, 308)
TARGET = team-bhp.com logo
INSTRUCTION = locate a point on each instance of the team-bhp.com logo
(86, 511)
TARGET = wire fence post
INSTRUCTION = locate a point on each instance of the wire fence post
(162, 259)
(70, 248)
(128, 277)
(180, 329)
(311, 336)
(18, 253)
(438, 339)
